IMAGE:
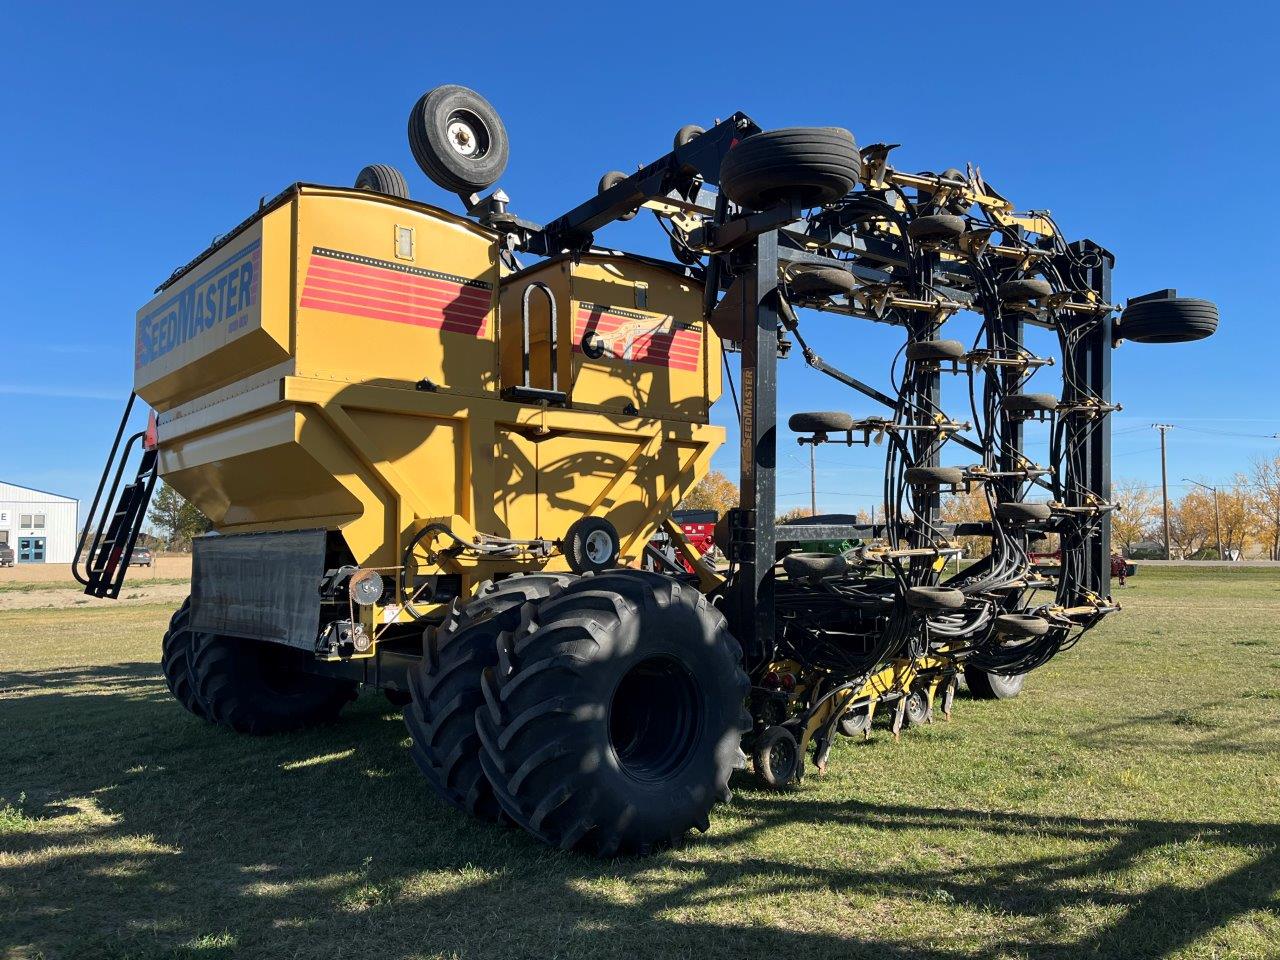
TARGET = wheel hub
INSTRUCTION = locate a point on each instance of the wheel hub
(466, 135)
(598, 546)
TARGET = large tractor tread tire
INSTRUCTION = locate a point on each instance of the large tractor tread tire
(384, 179)
(175, 661)
(807, 165)
(614, 717)
(993, 686)
(458, 139)
(445, 689)
(260, 688)
(1178, 320)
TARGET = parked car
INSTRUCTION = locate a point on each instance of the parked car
(6, 555)
(142, 557)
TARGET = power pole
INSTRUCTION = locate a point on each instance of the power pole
(813, 482)
(1164, 483)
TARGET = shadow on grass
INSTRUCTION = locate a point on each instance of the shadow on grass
(143, 832)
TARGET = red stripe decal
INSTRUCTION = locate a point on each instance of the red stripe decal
(389, 280)
(384, 293)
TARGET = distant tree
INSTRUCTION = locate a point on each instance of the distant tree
(1264, 492)
(1191, 523)
(715, 492)
(176, 518)
(1236, 507)
(969, 507)
(1138, 508)
(795, 513)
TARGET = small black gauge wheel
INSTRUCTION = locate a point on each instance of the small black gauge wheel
(591, 545)
(935, 350)
(1018, 511)
(1021, 625)
(934, 476)
(687, 133)
(918, 710)
(458, 139)
(1030, 403)
(936, 228)
(821, 421)
(776, 757)
(855, 722)
(1020, 291)
(612, 179)
(380, 178)
(821, 282)
(934, 598)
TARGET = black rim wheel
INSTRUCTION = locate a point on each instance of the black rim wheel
(613, 718)
(654, 718)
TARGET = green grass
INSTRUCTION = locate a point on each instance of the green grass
(30, 586)
(1125, 806)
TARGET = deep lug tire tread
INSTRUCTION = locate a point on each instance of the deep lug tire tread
(540, 725)
(445, 689)
(230, 681)
(175, 661)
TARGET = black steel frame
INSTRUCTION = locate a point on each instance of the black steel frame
(745, 305)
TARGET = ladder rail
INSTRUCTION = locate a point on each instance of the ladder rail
(97, 497)
(96, 560)
(118, 552)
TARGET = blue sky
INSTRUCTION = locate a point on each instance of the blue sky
(134, 135)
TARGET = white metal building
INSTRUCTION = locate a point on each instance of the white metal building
(39, 526)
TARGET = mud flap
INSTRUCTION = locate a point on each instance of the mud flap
(265, 586)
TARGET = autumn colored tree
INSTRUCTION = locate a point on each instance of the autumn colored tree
(969, 507)
(1138, 507)
(1191, 523)
(715, 492)
(1264, 497)
(795, 513)
(1236, 508)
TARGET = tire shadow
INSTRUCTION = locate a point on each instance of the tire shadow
(130, 828)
